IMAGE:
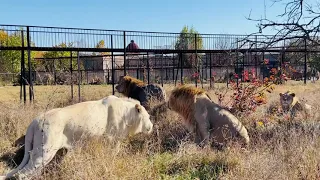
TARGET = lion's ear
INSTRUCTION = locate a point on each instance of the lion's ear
(293, 94)
(138, 108)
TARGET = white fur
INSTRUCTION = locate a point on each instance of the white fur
(308, 108)
(61, 127)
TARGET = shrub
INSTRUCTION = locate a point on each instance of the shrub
(250, 93)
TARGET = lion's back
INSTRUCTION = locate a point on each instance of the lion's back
(154, 90)
(236, 127)
(74, 120)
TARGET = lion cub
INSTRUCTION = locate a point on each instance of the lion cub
(290, 104)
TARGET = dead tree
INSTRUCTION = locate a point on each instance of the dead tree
(300, 20)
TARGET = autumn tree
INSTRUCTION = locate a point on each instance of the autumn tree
(10, 60)
(101, 44)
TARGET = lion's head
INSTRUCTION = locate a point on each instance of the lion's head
(182, 99)
(144, 123)
(287, 100)
(126, 83)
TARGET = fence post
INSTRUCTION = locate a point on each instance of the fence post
(181, 66)
(124, 54)
(228, 77)
(196, 59)
(305, 60)
(161, 73)
(244, 55)
(210, 66)
(264, 65)
(282, 60)
(54, 71)
(138, 68)
(71, 78)
(148, 67)
(173, 65)
(206, 67)
(79, 76)
(23, 71)
(29, 64)
(255, 55)
(237, 61)
(112, 68)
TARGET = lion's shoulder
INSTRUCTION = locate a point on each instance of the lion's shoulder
(130, 100)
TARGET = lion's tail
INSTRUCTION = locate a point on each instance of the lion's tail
(27, 147)
(243, 132)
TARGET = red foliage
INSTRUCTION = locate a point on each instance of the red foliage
(213, 75)
(195, 75)
(250, 93)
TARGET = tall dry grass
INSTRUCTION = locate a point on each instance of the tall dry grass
(281, 151)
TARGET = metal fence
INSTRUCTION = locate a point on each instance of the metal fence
(85, 56)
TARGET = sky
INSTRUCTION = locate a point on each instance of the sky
(206, 16)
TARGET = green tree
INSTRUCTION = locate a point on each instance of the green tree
(10, 60)
(187, 40)
(58, 60)
(190, 39)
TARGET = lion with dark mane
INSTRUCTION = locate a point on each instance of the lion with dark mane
(137, 89)
(205, 118)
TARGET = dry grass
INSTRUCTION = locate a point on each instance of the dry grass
(277, 152)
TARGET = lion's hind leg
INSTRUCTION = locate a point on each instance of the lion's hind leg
(44, 149)
(28, 146)
(202, 128)
(39, 158)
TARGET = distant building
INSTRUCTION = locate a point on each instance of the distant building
(168, 65)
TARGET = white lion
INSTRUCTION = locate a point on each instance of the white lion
(61, 127)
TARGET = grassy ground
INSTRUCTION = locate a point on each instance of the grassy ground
(277, 153)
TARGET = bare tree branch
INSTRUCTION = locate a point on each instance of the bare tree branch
(300, 20)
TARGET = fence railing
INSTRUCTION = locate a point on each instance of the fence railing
(58, 37)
